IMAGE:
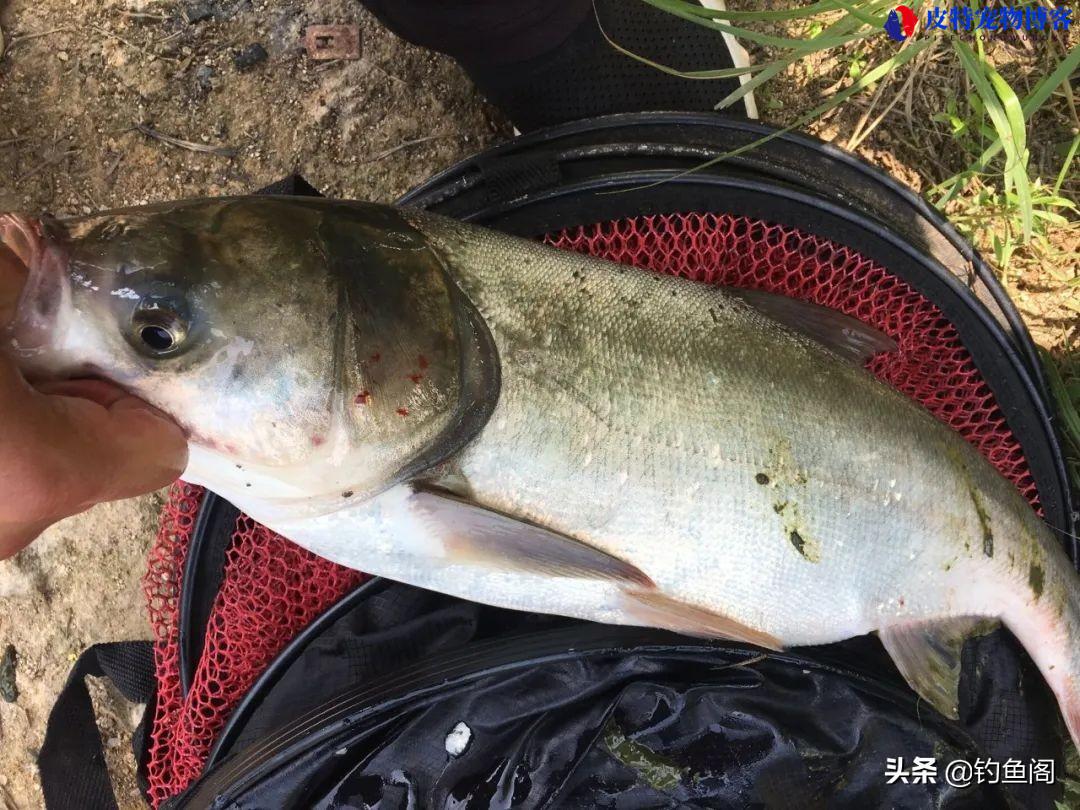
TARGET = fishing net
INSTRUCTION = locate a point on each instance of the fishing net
(272, 589)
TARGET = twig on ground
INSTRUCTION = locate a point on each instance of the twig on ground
(191, 146)
(170, 37)
(130, 44)
(110, 170)
(402, 145)
(144, 15)
(45, 164)
(5, 47)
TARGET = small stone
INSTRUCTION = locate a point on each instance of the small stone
(62, 56)
(198, 11)
(249, 57)
(9, 691)
(204, 77)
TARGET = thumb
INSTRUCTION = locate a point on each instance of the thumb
(76, 443)
(136, 448)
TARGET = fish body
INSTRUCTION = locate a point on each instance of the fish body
(490, 418)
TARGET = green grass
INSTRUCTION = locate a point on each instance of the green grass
(1064, 382)
(990, 122)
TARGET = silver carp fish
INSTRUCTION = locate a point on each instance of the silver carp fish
(484, 416)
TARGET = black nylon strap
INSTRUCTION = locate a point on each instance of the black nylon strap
(71, 760)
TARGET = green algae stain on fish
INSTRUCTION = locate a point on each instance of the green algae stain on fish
(788, 481)
(796, 532)
(810, 551)
(984, 523)
(981, 511)
(1037, 580)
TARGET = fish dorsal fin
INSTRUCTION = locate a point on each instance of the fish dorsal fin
(655, 609)
(928, 656)
(475, 534)
(846, 336)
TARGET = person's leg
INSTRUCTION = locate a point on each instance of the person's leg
(546, 61)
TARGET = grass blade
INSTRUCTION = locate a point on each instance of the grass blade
(1034, 100)
(820, 7)
(678, 8)
(1006, 114)
(1065, 166)
(1067, 408)
(911, 49)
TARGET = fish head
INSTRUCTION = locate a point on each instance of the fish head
(274, 331)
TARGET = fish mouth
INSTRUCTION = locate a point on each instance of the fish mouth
(32, 288)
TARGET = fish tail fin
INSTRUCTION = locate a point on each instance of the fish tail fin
(1047, 624)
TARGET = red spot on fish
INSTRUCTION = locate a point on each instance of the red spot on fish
(423, 361)
(363, 397)
(416, 378)
(403, 411)
(318, 440)
(375, 358)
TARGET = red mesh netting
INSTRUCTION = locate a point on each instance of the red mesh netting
(272, 589)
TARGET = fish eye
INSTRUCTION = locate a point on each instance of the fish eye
(160, 327)
(157, 338)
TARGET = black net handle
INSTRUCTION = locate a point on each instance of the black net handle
(72, 761)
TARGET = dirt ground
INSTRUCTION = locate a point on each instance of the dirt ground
(77, 78)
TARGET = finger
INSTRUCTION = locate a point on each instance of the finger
(99, 391)
(130, 447)
(69, 452)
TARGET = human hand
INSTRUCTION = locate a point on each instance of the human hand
(65, 446)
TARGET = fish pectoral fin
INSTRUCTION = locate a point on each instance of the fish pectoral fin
(655, 609)
(475, 534)
(844, 335)
(928, 656)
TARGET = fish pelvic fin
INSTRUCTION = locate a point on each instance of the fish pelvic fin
(475, 534)
(653, 608)
(842, 334)
(928, 656)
